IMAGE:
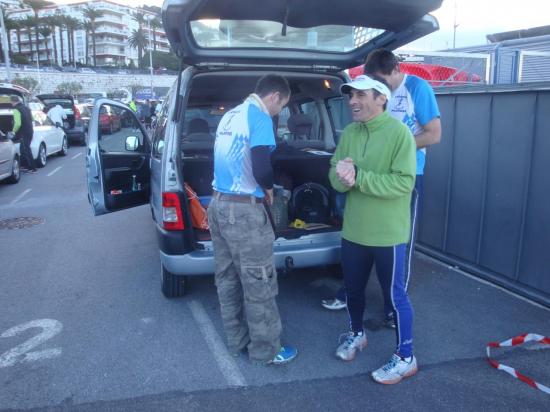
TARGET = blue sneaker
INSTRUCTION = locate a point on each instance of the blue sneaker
(285, 355)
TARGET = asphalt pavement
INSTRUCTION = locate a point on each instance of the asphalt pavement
(84, 326)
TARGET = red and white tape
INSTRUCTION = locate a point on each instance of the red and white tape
(518, 340)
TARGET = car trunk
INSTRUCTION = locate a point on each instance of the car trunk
(66, 103)
(299, 159)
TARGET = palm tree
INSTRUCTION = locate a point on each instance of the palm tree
(155, 24)
(53, 23)
(72, 24)
(60, 20)
(91, 14)
(28, 23)
(88, 26)
(46, 32)
(138, 40)
(10, 25)
(36, 6)
(17, 26)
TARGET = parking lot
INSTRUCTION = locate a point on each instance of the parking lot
(84, 325)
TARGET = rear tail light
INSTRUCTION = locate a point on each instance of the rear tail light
(172, 218)
(76, 113)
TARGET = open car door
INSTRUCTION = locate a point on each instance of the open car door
(322, 34)
(117, 158)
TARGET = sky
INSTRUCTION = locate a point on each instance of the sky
(475, 19)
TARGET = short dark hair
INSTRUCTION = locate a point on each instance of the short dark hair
(376, 92)
(271, 83)
(381, 61)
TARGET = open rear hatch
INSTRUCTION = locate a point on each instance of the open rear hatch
(64, 100)
(325, 34)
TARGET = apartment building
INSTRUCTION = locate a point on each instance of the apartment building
(113, 29)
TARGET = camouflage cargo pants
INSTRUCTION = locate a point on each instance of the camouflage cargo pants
(246, 279)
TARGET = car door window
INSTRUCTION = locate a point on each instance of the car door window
(160, 129)
(341, 114)
(117, 126)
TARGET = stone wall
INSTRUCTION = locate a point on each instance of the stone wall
(98, 82)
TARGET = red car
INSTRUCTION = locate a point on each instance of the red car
(109, 120)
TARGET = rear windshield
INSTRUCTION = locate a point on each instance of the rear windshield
(268, 34)
(65, 103)
(210, 115)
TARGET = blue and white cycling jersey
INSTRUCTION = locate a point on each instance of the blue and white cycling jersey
(246, 126)
(414, 104)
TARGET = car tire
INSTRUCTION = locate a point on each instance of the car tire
(172, 286)
(42, 156)
(15, 171)
(64, 147)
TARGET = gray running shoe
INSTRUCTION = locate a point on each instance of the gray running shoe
(395, 370)
(352, 343)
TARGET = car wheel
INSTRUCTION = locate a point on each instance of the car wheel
(15, 171)
(64, 147)
(172, 286)
(42, 156)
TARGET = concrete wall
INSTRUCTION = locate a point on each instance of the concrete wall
(91, 82)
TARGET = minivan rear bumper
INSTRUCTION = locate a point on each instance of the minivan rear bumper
(311, 250)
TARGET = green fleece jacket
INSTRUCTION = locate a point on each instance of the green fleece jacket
(377, 209)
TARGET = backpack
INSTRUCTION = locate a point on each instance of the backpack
(310, 203)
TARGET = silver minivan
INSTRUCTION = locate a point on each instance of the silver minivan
(225, 47)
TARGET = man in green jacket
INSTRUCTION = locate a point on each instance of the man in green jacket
(375, 165)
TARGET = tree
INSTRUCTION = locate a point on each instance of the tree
(71, 88)
(28, 83)
(88, 27)
(91, 14)
(134, 88)
(52, 23)
(60, 18)
(10, 25)
(20, 59)
(138, 40)
(36, 6)
(72, 24)
(13, 24)
(28, 24)
(155, 24)
(162, 59)
(46, 32)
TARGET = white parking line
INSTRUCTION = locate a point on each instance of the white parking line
(18, 198)
(76, 155)
(225, 361)
(57, 169)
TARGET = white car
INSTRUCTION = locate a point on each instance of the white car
(9, 160)
(47, 139)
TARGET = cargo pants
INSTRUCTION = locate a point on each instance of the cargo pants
(246, 278)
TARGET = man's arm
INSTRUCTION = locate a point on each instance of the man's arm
(262, 170)
(431, 134)
(16, 120)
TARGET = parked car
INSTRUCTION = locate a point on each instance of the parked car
(9, 159)
(85, 113)
(47, 139)
(221, 71)
(9, 151)
(109, 119)
(74, 126)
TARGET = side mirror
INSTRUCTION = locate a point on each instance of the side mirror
(132, 143)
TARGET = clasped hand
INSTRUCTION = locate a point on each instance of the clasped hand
(345, 172)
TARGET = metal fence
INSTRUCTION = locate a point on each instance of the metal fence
(487, 198)
(451, 68)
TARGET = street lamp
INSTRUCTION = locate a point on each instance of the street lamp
(150, 53)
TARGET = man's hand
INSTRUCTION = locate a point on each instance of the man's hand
(269, 196)
(345, 172)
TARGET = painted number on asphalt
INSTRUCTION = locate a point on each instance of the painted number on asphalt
(21, 353)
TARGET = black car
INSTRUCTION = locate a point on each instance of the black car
(74, 125)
